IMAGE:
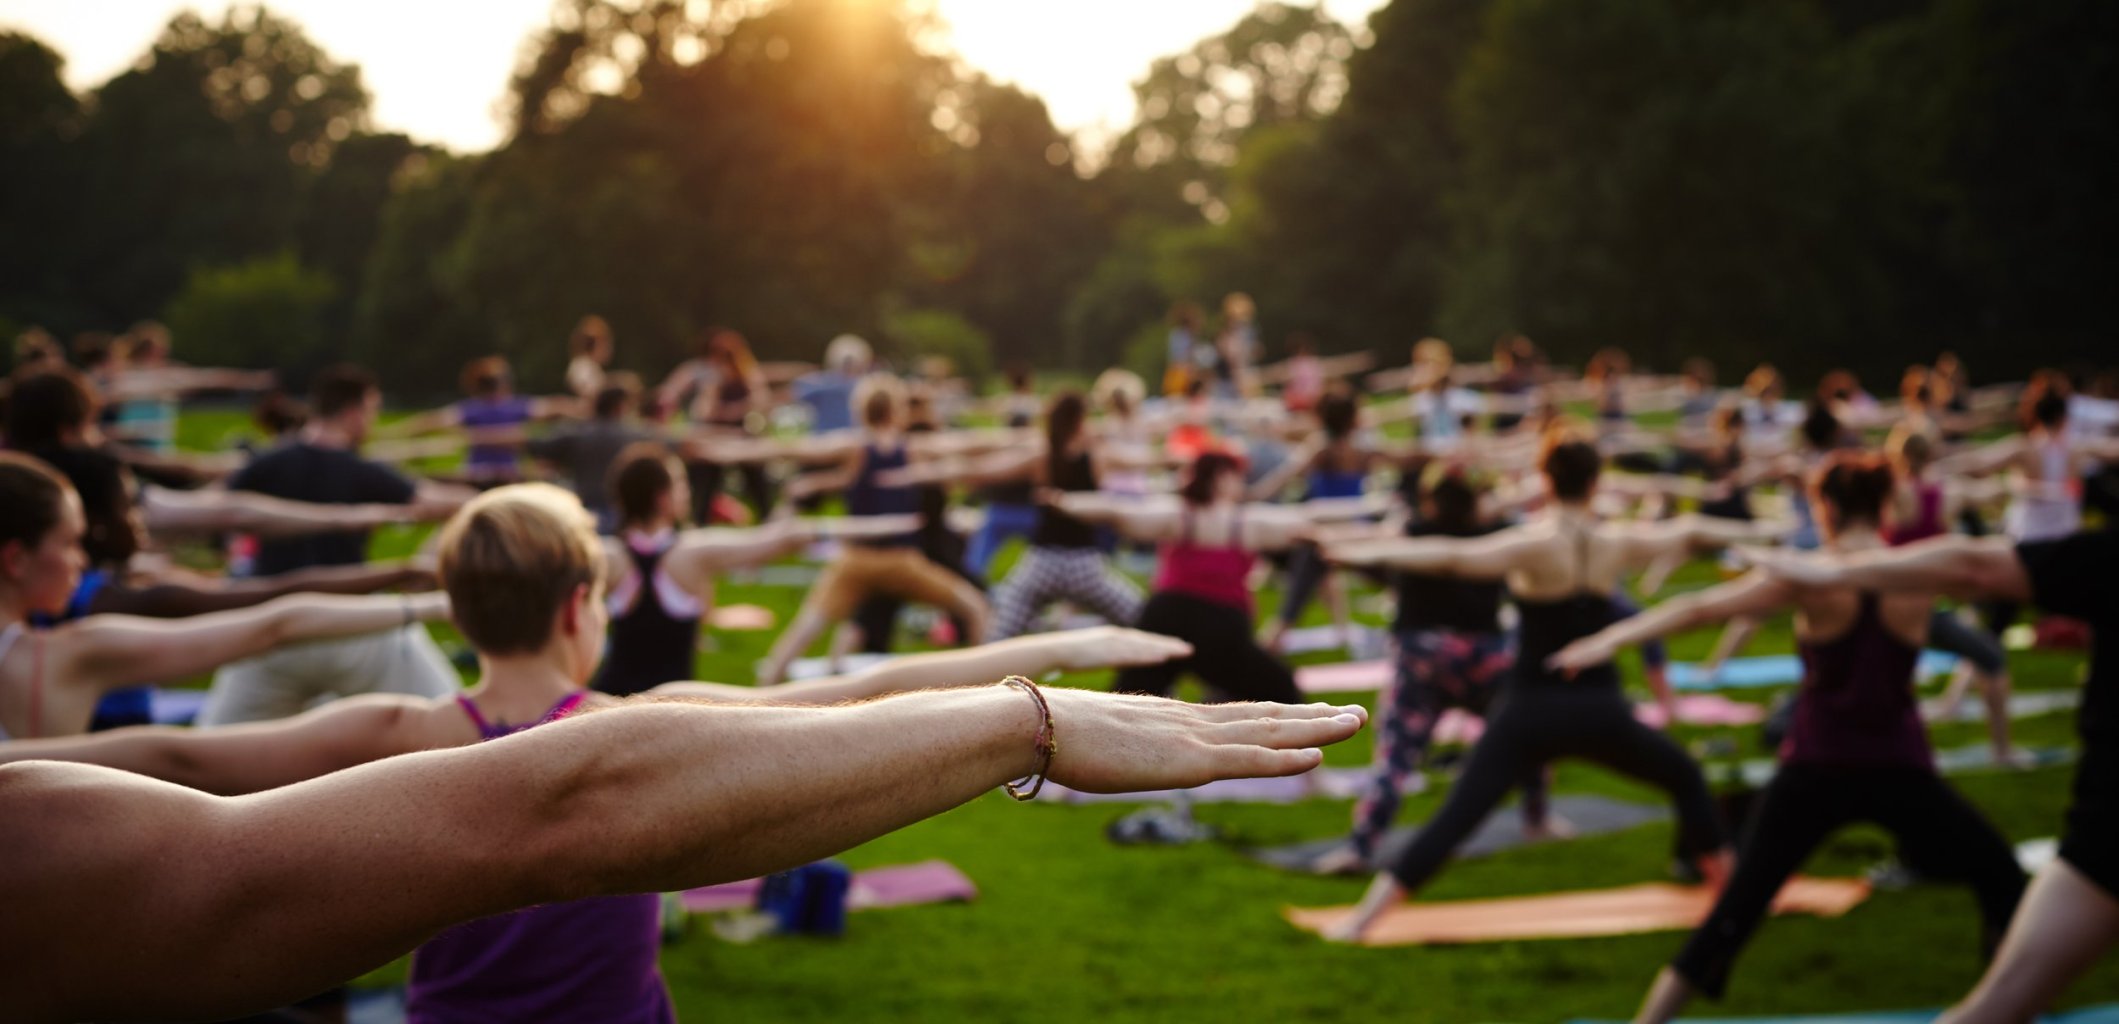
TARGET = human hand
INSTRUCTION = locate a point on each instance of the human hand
(1115, 647)
(1127, 743)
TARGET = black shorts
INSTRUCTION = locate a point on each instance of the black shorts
(2091, 844)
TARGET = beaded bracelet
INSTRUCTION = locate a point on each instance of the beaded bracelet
(1027, 787)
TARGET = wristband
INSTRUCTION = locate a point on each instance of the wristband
(1047, 742)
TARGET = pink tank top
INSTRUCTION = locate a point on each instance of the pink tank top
(1220, 574)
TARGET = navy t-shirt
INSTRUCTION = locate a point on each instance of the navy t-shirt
(329, 476)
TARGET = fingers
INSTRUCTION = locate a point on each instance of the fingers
(1264, 762)
(1287, 733)
(1244, 712)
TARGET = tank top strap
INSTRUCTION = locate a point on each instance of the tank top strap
(478, 718)
(8, 636)
(565, 706)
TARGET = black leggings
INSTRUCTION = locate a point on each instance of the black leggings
(1224, 656)
(1803, 805)
(1538, 726)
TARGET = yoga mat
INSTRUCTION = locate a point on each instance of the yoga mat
(1966, 760)
(1633, 909)
(1311, 639)
(905, 885)
(2021, 705)
(1502, 830)
(2108, 1014)
(742, 618)
(1703, 709)
(1776, 670)
(1344, 677)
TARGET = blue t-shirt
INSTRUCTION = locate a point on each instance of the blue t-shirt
(829, 395)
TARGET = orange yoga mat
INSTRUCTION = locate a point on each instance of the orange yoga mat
(1650, 907)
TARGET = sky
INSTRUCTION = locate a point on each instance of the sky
(445, 84)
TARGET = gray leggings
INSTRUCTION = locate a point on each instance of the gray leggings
(1952, 635)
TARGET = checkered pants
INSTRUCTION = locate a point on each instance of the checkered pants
(1045, 575)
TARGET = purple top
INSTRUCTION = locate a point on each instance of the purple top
(593, 959)
(1856, 704)
(512, 411)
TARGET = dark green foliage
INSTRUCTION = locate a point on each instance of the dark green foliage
(1850, 183)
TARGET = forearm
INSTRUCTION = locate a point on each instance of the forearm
(671, 795)
(156, 751)
(169, 601)
(1958, 565)
(300, 617)
(1021, 656)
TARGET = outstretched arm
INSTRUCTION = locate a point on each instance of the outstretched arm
(289, 891)
(102, 652)
(176, 600)
(1488, 557)
(1754, 593)
(247, 758)
(1955, 565)
(1077, 650)
(168, 511)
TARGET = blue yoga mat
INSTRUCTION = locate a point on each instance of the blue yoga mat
(2087, 1015)
(1776, 670)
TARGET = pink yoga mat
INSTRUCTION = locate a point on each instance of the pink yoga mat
(1344, 677)
(1651, 907)
(905, 885)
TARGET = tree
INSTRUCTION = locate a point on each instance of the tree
(198, 155)
(264, 312)
(39, 204)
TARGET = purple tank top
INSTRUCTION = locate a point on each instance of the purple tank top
(512, 411)
(593, 959)
(1856, 703)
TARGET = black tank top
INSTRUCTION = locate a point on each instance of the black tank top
(867, 497)
(1057, 529)
(1549, 625)
(648, 646)
(1447, 602)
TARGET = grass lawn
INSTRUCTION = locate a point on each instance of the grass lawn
(1070, 927)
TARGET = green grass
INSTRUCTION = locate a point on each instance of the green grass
(1069, 927)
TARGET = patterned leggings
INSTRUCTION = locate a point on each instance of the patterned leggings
(1044, 575)
(1438, 669)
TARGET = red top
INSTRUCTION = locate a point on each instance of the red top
(1220, 574)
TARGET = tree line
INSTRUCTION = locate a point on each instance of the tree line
(1820, 184)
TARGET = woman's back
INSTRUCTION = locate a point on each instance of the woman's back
(1856, 704)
